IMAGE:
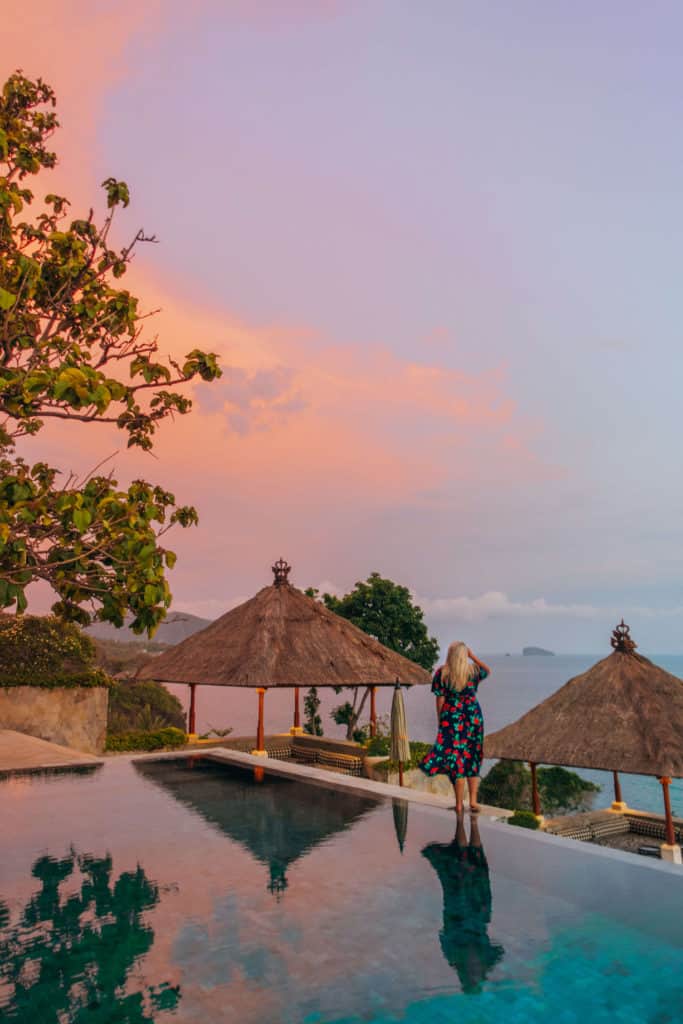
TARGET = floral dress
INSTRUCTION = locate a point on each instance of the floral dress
(460, 740)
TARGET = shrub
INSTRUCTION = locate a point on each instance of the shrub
(524, 819)
(417, 752)
(143, 706)
(138, 739)
(508, 784)
(43, 651)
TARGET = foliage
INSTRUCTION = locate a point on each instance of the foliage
(561, 790)
(349, 713)
(508, 784)
(313, 723)
(384, 610)
(71, 348)
(417, 752)
(43, 651)
(138, 739)
(144, 706)
(76, 955)
(524, 819)
(378, 746)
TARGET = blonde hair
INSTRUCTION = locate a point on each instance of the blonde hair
(457, 672)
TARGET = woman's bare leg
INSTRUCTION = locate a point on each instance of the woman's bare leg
(460, 834)
(473, 787)
(459, 787)
(475, 838)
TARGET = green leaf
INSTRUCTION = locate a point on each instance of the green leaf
(7, 299)
(82, 519)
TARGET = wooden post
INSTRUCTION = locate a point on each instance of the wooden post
(617, 789)
(192, 723)
(297, 714)
(373, 711)
(670, 834)
(534, 790)
(260, 742)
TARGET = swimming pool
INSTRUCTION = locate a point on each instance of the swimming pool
(186, 890)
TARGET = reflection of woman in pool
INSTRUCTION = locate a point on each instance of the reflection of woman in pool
(464, 876)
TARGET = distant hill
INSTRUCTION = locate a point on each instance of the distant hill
(176, 627)
(530, 651)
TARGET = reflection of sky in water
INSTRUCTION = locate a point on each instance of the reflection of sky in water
(358, 933)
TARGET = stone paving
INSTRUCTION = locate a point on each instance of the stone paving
(20, 753)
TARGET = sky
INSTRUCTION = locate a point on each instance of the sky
(437, 248)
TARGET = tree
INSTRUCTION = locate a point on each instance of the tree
(508, 784)
(72, 348)
(385, 610)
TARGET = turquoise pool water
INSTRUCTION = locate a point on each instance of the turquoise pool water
(190, 891)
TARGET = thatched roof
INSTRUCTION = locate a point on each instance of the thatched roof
(623, 714)
(281, 637)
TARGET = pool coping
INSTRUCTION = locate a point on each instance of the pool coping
(495, 817)
(337, 780)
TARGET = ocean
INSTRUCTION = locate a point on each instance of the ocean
(516, 684)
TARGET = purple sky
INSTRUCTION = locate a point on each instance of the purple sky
(438, 247)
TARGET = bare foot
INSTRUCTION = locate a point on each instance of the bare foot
(459, 809)
(475, 809)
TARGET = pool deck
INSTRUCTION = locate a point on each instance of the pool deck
(20, 752)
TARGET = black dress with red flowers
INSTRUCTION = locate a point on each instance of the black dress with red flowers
(460, 740)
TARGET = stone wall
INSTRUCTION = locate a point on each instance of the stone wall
(71, 716)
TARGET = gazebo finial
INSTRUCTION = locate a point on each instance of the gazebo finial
(281, 571)
(621, 639)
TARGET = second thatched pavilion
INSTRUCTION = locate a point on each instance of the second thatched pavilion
(625, 714)
(282, 638)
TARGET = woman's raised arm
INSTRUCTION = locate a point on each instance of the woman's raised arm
(479, 663)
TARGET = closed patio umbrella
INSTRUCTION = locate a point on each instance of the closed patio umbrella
(400, 747)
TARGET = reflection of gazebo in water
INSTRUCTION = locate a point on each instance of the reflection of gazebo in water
(277, 820)
(625, 714)
(282, 638)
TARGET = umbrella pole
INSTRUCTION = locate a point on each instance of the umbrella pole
(260, 742)
(373, 711)
(670, 849)
(534, 791)
(400, 773)
(618, 804)
(192, 716)
(296, 724)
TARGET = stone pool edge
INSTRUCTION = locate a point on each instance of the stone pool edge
(496, 817)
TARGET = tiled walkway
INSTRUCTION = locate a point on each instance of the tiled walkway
(20, 752)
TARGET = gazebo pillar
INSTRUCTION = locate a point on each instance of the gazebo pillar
(373, 711)
(192, 716)
(260, 750)
(618, 804)
(670, 849)
(296, 724)
(535, 798)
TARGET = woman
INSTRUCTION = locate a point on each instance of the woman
(460, 739)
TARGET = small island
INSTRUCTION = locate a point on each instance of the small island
(529, 651)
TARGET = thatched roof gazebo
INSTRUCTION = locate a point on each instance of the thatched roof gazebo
(625, 714)
(282, 638)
